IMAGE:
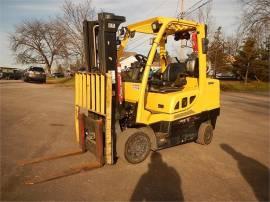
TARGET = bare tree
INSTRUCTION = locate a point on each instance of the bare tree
(233, 43)
(216, 53)
(246, 58)
(72, 23)
(38, 42)
(256, 14)
(256, 22)
(204, 15)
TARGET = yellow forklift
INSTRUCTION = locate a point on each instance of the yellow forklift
(127, 112)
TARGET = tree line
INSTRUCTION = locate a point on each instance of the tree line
(247, 51)
(60, 38)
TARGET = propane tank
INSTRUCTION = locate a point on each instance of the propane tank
(194, 42)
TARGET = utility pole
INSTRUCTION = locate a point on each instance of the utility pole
(182, 9)
(181, 50)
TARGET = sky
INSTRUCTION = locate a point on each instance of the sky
(226, 13)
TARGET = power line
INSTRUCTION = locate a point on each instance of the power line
(132, 42)
(129, 49)
(192, 9)
(147, 15)
(188, 13)
(156, 8)
(181, 14)
(194, 5)
(176, 13)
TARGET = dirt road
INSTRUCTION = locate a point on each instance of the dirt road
(37, 120)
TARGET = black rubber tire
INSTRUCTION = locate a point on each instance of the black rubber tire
(133, 146)
(205, 133)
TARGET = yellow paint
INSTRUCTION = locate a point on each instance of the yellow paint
(148, 110)
(163, 59)
(131, 91)
(76, 108)
(95, 91)
(84, 91)
(97, 77)
(102, 95)
(88, 92)
(174, 24)
(108, 120)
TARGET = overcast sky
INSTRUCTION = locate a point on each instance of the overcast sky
(226, 13)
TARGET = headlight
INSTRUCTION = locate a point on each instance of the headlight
(31, 73)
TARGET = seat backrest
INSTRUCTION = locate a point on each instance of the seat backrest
(173, 70)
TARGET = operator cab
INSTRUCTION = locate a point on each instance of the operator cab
(168, 67)
(165, 74)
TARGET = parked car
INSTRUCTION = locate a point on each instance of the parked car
(34, 74)
(69, 73)
(9, 73)
(18, 74)
(58, 75)
(228, 76)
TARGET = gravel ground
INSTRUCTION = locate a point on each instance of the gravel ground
(38, 120)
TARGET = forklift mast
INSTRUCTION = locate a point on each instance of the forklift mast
(94, 95)
(100, 42)
(96, 90)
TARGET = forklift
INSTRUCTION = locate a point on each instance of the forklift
(124, 113)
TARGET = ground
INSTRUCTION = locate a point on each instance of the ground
(38, 119)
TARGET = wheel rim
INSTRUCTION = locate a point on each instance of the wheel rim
(137, 148)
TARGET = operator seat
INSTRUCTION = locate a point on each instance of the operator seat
(172, 79)
(173, 71)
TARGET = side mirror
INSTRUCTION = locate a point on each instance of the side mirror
(205, 43)
(132, 34)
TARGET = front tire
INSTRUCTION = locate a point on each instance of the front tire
(133, 146)
(205, 133)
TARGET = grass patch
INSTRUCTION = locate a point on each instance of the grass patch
(67, 82)
(240, 86)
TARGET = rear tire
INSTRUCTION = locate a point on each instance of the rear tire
(205, 133)
(133, 146)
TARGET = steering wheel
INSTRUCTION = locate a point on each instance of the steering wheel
(141, 59)
(138, 67)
